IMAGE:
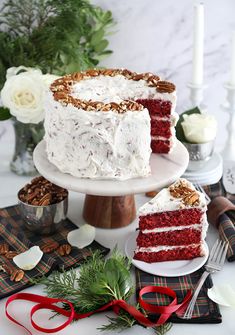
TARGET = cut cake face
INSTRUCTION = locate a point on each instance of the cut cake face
(173, 225)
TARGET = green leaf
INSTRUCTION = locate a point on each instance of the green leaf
(36, 33)
(179, 129)
(101, 46)
(97, 37)
(4, 114)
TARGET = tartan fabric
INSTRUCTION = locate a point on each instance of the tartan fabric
(205, 311)
(13, 232)
(218, 189)
(226, 224)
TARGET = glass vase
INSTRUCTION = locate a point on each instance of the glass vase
(27, 136)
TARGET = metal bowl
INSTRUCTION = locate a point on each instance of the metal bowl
(199, 154)
(43, 220)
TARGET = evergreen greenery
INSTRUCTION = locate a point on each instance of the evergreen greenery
(58, 36)
(99, 282)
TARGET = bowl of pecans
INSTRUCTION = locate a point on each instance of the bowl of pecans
(43, 205)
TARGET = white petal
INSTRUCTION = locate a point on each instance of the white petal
(222, 295)
(29, 259)
(81, 237)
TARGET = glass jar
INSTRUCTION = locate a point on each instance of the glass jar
(27, 136)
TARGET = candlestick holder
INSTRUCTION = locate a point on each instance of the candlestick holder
(196, 95)
(229, 106)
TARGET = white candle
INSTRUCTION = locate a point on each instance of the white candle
(232, 74)
(198, 37)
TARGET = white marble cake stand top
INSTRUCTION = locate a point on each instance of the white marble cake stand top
(166, 168)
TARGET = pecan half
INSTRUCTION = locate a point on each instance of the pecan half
(50, 247)
(4, 248)
(191, 199)
(151, 194)
(165, 87)
(11, 254)
(17, 275)
(64, 249)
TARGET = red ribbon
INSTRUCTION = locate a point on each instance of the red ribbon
(49, 303)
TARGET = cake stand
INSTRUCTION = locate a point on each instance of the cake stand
(110, 203)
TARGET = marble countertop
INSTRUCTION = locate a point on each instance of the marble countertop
(149, 36)
(10, 184)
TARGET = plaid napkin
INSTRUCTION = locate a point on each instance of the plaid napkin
(13, 231)
(221, 213)
(205, 311)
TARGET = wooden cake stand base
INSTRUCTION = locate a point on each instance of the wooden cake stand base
(109, 212)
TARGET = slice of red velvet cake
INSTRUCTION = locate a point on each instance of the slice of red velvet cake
(163, 119)
(172, 225)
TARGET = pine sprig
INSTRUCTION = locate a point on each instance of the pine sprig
(124, 321)
(99, 282)
(60, 285)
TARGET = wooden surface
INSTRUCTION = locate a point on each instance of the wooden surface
(109, 212)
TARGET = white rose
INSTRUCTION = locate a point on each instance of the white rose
(199, 128)
(12, 71)
(23, 95)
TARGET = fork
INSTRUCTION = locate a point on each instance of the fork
(201, 189)
(214, 264)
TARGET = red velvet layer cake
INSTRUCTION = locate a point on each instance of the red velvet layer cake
(163, 120)
(172, 225)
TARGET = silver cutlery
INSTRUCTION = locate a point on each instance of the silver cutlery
(214, 264)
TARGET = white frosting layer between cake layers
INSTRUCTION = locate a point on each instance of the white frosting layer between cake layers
(116, 89)
(97, 144)
(166, 248)
(173, 118)
(164, 202)
(203, 225)
(167, 229)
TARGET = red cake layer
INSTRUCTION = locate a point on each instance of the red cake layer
(177, 237)
(169, 255)
(161, 128)
(160, 147)
(183, 217)
(156, 106)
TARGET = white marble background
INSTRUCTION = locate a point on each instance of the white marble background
(154, 35)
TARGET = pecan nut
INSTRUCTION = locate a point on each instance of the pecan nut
(11, 254)
(188, 195)
(165, 87)
(50, 247)
(17, 275)
(192, 199)
(64, 249)
(151, 194)
(4, 248)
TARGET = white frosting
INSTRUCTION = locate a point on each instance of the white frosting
(173, 118)
(174, 228)
(164, 202)
(116, 89)
(165, 248)
(97, 144)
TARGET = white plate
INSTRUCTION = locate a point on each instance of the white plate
(166, 269)
(165, 169)
(214, 164)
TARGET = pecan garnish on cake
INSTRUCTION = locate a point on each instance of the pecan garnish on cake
(62, 89)
(165, 87)
(182, 190)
